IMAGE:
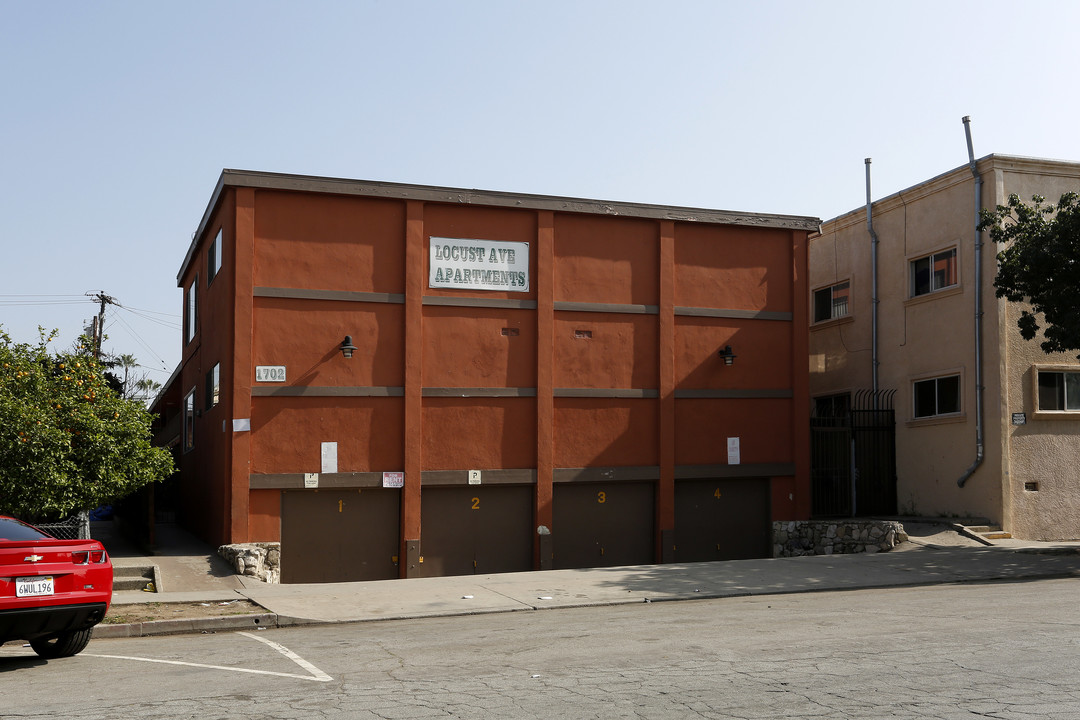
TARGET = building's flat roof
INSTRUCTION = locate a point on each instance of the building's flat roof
(488, 198)
(961, 173)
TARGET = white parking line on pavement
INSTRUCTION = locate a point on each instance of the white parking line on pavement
(316, 674)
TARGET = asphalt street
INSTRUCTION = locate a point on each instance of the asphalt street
(1000, 650)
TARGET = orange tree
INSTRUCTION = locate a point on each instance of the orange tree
(68, 441)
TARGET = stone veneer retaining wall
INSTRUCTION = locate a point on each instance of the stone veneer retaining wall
(794, 538)
(258, 560)
(790, 539)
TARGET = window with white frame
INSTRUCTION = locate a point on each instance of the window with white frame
(831, 302)
(191, 311)
(213, 259)
(189, 421)
(1059, 391)
(933, 272)
(936, 396)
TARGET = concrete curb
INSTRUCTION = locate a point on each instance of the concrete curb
(188, 626)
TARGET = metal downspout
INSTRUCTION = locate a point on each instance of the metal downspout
(979, 449)
(873, 284)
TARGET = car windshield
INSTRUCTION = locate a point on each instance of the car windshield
(12, 529)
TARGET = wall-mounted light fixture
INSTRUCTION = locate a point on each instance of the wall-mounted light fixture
(727, 354)
(347, 348)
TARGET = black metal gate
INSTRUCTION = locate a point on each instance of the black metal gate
(853, 456)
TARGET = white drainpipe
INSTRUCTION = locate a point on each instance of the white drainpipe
(979, 450)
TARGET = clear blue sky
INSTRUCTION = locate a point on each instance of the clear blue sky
(118, 117)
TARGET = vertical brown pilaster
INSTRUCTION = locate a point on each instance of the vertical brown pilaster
(414, 403)
(665, 496)
(544, 262)
(239, 450)
(800, 367)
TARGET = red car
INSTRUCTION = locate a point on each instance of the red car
(52, 592)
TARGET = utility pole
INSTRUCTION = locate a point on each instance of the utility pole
(99, 321)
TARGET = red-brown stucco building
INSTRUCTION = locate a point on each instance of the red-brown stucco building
(399, 381)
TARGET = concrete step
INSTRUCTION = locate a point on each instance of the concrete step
(990, 532)
(135, 577)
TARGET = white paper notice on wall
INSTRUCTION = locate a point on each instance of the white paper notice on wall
(733, 451)
(393, 479)
(474, 477)
(329, 457)
(311, 480)
(241, 424)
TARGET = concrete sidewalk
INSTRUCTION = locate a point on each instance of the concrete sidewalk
(199, 578)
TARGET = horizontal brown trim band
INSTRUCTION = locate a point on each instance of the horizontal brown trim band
(478, 392)
(526, 476)
(605, 393)
(399, 298)
(606, 474)
(607, 308)
(339, 295)
(451, 392)
(733, 314)
(295, 481)
(324, 391)
(500, 303)
(762, 470)
(738, 394)
(523, 476)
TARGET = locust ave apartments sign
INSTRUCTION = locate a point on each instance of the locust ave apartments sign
(478, 264)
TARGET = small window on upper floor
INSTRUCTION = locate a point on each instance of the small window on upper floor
(191, 311)
(933, 272)
(936, 396)
(831, 302)
(1059, 391)
(213, 386)
(188, 427)
(213, 259)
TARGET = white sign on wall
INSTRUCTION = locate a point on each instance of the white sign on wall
(478, 264)
(393, 479)
(733, 454)
(329, 457)
(269, 373)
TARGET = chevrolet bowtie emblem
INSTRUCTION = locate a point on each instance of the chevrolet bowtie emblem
(33, 558)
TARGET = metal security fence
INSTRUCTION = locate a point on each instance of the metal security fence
(76, 527)
(853, 456)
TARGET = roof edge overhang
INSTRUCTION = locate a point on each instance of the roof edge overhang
(960, 174)
(484, 198)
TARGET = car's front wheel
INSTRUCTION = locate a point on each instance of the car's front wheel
(65, 644)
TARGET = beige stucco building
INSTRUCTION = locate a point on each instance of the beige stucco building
(1026, 476)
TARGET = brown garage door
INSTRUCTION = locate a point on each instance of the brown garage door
(603, 524)
(722, 519)
(339, 535)
(476, 529)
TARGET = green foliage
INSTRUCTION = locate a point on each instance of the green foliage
(68, 441)
(1040, 265)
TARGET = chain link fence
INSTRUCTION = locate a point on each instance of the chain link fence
(76, 527)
